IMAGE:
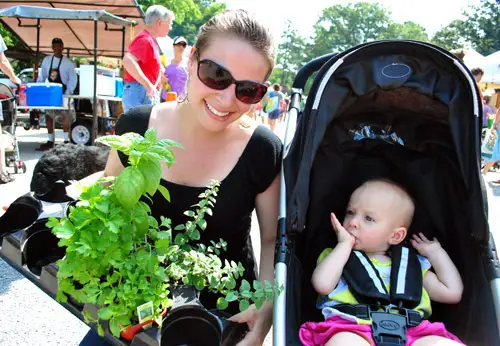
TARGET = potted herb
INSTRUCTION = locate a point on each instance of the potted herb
(119, 257)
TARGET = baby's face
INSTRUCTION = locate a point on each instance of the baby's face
(373, 214)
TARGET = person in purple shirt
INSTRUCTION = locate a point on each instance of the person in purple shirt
(176, 71)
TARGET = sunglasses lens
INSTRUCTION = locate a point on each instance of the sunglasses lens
(213, 75)
(250, 92)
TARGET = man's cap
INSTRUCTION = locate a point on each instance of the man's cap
(57, 40)
(179, 39)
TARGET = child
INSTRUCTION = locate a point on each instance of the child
(378, 216)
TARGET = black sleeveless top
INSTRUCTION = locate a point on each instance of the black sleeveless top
(254, 172)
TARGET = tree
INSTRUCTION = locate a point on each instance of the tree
(341, 27)
(189, 14)
(480, 29)
(181, 8)
(290, 57)
(407, 31)
(191, 24)
(9, 39)
(451, 36)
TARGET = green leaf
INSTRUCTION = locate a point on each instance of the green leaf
(129, 186)
(245, 286)
(114, 327)
(120, 143)
(195, 235)
(257, 285)
(230, 283)
(151, 171)
(100, 330)
(244, 304)
(180, 239)
(150, 135)
(246, 294)
(222, 304)
(203, 224)
(105, 313)
(189, 213)
(64, 231)
(52, 222)
(163, 190)
(180, 227)
(258, 302)
(231, 296)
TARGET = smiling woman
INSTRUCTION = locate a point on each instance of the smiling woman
(227, 68)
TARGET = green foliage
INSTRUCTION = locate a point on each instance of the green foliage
(189, 15)
(119, 257)
(292, 55)
(344, 26)
(480, 29)
(407, 31)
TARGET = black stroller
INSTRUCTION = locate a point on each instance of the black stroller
(9, 111)
(401, 110)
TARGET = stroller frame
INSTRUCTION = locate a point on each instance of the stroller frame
(288, 230)
(9, 109)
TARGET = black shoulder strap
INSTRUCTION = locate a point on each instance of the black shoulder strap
(406, 277)
(364, 280)
(368, 287)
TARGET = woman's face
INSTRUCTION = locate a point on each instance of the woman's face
(216, 109)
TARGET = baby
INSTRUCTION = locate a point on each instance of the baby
(378, 215)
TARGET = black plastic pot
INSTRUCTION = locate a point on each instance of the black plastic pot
(20, 214)
(67, 209)
(39, 247)
(189, 324)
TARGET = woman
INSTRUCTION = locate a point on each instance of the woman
(176, 73)
(233, 57)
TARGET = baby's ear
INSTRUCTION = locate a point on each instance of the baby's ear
(398, 235)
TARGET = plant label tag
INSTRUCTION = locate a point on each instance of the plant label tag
(145, 311)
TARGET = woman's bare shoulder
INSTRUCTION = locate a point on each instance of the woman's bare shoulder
(163, 112)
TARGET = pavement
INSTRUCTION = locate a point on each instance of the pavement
(30, 317)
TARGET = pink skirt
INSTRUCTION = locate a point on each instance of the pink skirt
(318, 333)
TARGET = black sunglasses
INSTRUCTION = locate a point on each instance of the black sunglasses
(217, 77)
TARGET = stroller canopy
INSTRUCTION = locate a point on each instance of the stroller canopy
(405, 111)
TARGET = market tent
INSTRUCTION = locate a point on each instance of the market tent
(73, 24)
(492, 69)
(87, 36)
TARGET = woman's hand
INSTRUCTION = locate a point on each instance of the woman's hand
(424, 246)
(258, 321)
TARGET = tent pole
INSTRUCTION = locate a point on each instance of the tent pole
(37, 60)
(123, 42)
(94, 120)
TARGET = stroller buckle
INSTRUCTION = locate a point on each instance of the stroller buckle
(389, 329)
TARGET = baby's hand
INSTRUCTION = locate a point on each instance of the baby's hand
(425, 246)
(342, 235)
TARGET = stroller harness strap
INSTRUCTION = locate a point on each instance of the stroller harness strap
(389, 326)
(368, 287)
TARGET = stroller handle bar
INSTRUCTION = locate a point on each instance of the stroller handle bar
(308, 69)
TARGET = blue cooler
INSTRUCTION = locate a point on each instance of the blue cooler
(44, 95)
(119, 87)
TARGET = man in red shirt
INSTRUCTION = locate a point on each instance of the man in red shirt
(142, 61)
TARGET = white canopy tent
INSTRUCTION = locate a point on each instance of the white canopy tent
(84, 29)
(492, 69)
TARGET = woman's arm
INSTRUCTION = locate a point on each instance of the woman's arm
(259, 321)
(266, 206)
(113, 168)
